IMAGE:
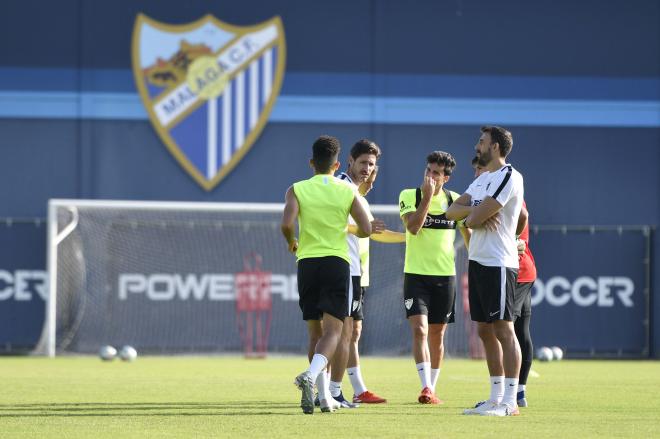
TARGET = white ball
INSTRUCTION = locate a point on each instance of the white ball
(128, 353)
(557, 353)
(107, 353)
(544, 354)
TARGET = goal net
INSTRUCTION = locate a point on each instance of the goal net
(205, 278)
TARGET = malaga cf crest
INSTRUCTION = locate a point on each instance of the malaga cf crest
(208, 87)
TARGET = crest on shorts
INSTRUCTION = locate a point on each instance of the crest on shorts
(208, 87)
(408, 303)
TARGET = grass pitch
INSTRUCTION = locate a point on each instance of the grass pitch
(234, 397)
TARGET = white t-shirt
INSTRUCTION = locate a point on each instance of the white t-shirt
(354, 241)
(498, 248)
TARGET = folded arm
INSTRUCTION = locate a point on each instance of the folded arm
(482, 213)
(460, 208)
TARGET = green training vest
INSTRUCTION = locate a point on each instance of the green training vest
(325, 203)
(431, 251)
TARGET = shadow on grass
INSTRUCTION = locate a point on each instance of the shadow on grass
(238, 408)
(200, 409)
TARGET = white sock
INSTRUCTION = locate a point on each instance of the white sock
(521, 387)
(318, 364)
(424, 372)
(510, 390)
(335, 388)
(435, 374)
(323, 387)
(496, 389)
(427, 371)
(355, 376)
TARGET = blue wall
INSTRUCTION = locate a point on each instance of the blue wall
(578, 84)
(508, 37)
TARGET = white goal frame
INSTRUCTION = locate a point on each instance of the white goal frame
(47, 344)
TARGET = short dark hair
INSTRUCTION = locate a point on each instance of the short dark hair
(501, 136)
(442, 158)
(325, 152)
(365, 146)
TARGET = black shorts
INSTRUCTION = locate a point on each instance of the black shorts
(433, 296)
(492, 291)
(323, 287)
(522, 301)
(357, 304)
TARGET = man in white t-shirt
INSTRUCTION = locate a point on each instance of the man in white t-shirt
(361, 173)
(491, 206)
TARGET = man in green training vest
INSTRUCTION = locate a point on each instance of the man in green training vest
(429, 286)
(322, 205)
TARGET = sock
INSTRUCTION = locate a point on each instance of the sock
(355, 375)
(323, 387)
(335, 388)
(424, 372)
(318, 364)
(496, 389)
(521, 391)
(510, 391)
(435, 374)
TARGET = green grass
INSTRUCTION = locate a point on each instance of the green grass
(228, 396)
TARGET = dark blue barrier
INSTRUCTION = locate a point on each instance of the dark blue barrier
(592, 296)
(23, 283)
(591, 299)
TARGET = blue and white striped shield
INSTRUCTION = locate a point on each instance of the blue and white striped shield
(208, 87)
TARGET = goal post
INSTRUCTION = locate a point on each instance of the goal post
(188, 277)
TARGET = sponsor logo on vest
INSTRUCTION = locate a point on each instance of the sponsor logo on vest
(438, 222)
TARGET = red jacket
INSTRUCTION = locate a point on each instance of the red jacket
(527, 270)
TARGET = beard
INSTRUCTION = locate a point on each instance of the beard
(485, 158)
(356, 176)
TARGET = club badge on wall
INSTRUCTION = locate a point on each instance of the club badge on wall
(208, 87)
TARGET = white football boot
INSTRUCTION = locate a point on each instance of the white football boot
(329, 405)
(502, 409)
(480, 408)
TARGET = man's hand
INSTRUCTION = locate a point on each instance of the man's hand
(293, 246)
(428, 187)
(365, 187)
(521, 246)
(377, 226)
(491, 223)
